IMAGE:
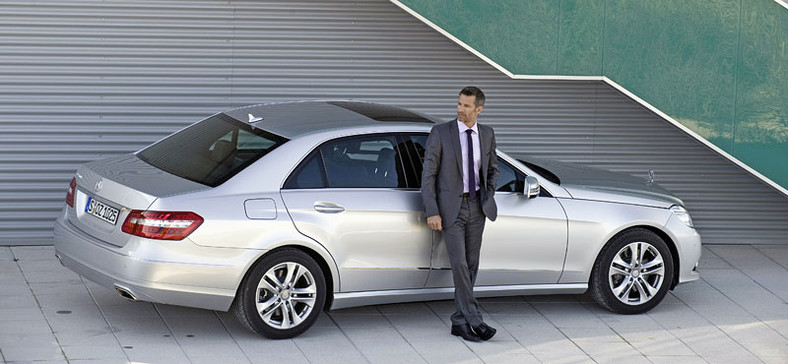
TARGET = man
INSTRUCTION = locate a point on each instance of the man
(457, 186)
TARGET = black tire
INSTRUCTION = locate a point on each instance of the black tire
(630, 286)
(283, 279)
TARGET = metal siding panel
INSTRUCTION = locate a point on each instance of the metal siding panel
(81, 80)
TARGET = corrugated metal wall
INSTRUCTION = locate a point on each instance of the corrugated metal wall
(81, 80)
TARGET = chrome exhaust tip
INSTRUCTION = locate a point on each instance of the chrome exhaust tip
(125, 293)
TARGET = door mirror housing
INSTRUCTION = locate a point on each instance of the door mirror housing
(532, 188)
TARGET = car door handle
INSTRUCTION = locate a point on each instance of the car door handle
(328, 207)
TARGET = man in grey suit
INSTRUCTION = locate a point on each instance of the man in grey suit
(457, 186)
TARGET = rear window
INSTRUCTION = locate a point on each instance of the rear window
(211, 151)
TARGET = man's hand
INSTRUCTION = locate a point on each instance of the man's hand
(434, 222)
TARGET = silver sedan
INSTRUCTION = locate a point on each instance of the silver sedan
(278, 211)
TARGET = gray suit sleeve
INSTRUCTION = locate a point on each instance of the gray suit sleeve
(429, 175)
(492, 166)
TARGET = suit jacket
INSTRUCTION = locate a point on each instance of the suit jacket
(441, 179)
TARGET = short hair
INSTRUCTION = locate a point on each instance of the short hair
(474, 91)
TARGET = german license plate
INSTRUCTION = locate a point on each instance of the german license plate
(102, 211)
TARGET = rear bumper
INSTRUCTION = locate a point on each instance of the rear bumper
(171, 272)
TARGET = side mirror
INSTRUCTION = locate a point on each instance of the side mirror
(532, 188)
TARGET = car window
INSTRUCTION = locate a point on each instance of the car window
(211, 151)
(509, 179)
(354, 162)
(410, 148)
(309, 174)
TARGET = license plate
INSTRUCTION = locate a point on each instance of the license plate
(102, 211)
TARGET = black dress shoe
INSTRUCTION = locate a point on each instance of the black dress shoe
(484, 331)
(465, 332)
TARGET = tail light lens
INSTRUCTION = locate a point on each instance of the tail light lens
(72, 189)
(161, 225)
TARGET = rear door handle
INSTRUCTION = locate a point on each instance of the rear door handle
(328, 207)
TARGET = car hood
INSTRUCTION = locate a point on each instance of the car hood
(590, 183)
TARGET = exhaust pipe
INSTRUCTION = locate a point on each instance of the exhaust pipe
(125, 293)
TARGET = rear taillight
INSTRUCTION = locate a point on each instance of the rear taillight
(72, 189)
(162, 225)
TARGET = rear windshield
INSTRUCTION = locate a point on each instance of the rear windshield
(211, 151)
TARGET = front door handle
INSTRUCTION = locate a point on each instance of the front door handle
(328, 207)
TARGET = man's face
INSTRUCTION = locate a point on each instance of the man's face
(467, 112)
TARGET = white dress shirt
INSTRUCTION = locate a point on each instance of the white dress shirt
(477, 153)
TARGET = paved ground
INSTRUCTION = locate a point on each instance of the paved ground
(737, 313)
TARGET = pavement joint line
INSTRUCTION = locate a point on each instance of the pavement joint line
(172, 333)
(38, 303)
(400, 334)
(106, 320)
(669, 330)
(458, 338)
(363, 355)
(721, 328)
(754, 315)
(536, 307)
(218, 317)
(755, 280)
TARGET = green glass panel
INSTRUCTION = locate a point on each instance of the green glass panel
(580, 37)
(719, 67)
(679, 56)
(762, 93)
(517, 35)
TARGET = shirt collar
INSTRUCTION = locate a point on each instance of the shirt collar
(461, 126)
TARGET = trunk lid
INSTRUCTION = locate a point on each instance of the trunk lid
(107, 190)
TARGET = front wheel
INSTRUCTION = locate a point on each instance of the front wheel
(282, 296)
(633, 272)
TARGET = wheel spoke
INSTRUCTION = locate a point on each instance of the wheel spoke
(263, 307)
(618, 261)
(618, 271)
(271, 276)
(634, 253)
(623, 289)
(267, 315)
(285, 307)
(297, 319)
(654, 263)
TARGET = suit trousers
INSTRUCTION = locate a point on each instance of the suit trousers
(464, 242)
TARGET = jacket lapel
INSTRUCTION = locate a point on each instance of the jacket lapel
(455, 143)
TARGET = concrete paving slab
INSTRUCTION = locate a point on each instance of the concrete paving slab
(736, 313)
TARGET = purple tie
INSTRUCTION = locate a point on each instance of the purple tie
(471, 171)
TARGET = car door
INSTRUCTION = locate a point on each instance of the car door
(526, 244)
(351, 195)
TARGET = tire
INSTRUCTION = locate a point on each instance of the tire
(632, 273)
(282, 296)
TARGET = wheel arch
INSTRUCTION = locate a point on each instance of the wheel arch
(321, 261)
(664, 236)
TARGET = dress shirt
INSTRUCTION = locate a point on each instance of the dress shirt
(477, 153)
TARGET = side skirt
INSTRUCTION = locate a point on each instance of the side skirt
(366, 298)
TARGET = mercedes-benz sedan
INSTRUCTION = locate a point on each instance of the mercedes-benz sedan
(279, 211)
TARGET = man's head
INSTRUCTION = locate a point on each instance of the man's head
(469, 105)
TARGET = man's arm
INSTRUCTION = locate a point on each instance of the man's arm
(492, 166)
(429, 175)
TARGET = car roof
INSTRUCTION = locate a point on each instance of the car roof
(297, 118)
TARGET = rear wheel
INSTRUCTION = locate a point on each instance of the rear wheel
(633, 273)
(282, 296)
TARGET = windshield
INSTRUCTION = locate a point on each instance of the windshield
(212, 151)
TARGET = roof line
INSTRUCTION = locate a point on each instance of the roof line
(610, 82)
